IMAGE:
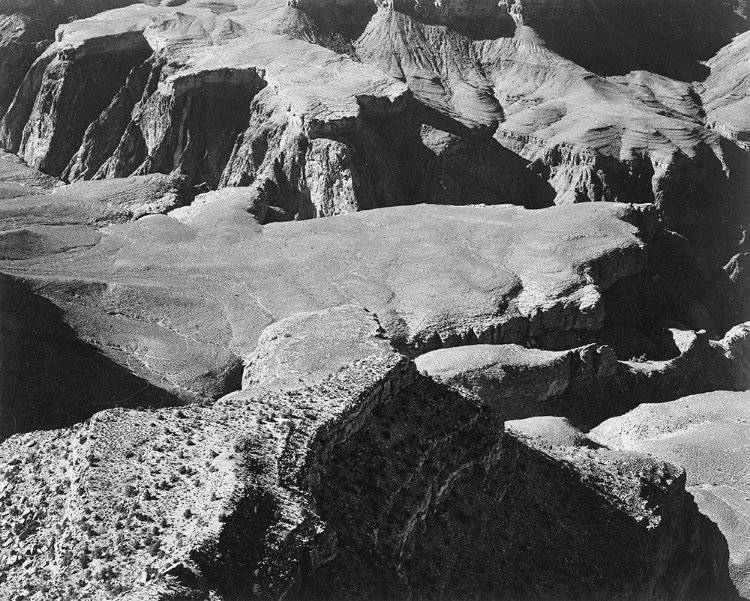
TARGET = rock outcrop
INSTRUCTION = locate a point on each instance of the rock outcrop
(144, 90)
(358, 407)
(589, 384)
(724, 92)
(708, 435)
(245, 497)
(181, 297)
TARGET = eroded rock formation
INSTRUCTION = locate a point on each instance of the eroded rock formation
(266, 436)
(180, 296)
(708, 434)
(270, 495)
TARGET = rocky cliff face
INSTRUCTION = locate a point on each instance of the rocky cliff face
(679, 432)
(589, 384)
(275, 496)
(234, 421)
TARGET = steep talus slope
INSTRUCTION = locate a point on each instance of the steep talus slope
(245, 497)
(314, 133)
(668, 37)
(708, 434)
(630, 137)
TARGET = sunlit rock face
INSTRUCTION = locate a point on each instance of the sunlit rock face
(318, 299)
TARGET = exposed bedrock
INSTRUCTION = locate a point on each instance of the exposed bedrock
(183, 294)
(632, 137)
(669, 37)
(45, 206)
(588, 384)
(46, 126)
(189, 126)
(708, 435)
(18, 50)
(304, 147)
(406, 155)
(28, 26)
(299, 350)
(262, 495)
(307, 148)
(724, 92)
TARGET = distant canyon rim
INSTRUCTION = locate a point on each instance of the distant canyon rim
(374, 299)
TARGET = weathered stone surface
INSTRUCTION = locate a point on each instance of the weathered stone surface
(589, 384)
(708, 435)
(147, 269)
(308, 347)
(90, 203)
(143, 90)
(245, 497)
(165, 292)
(725, 91)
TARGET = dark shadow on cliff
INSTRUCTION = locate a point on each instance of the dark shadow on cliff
(428, 157)
(49, 378)
(668, 37)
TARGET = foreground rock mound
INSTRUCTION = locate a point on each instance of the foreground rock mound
(709, 435)
(372, 483)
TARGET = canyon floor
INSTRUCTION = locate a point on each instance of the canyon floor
(375, 300)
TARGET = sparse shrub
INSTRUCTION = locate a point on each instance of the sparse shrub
(66, 558)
